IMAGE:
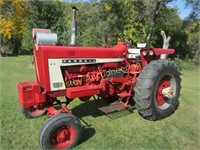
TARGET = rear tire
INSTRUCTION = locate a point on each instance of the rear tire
(62, 131)
(157, 76)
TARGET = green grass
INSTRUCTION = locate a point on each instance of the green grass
(179, 131)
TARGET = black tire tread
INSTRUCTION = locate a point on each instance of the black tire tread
(144, 87)
(48, 125)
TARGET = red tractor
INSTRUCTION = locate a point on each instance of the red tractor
(121, 74)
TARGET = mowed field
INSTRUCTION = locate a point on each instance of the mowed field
(179, 131)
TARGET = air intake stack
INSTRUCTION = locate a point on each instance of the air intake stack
(73, 27)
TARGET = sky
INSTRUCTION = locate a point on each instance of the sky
(183, 11)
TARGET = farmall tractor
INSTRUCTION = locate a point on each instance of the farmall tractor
(119, 74)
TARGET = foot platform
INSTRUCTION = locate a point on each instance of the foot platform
(117, 106)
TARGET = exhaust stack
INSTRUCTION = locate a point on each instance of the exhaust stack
(73, 27)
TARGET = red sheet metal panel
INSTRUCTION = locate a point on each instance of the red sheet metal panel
(82, 91)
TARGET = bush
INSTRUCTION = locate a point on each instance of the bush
(187, 64)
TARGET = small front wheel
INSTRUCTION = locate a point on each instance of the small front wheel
(33, 112)
(62, 131)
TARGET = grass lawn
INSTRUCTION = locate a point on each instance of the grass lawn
(179, 131)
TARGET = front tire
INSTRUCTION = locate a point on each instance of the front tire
(157, 90)
(62, 131)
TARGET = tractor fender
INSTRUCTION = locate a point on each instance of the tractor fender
(159, 51)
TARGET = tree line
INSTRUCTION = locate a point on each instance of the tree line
(100, 22)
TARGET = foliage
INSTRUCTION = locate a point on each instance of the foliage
(195, 13)
(6, 28)
(136, 21)
(87, 24)
(13, 20)
(193, 31)
(101, 22)
(191, 25)
(187, 63)
(45, 14)
(169, 21)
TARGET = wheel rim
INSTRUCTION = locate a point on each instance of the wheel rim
(63, 137)
(166, 91)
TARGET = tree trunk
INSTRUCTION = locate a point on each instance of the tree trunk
(0, 52)
(158, 6)
(16, 44)
(166, 41)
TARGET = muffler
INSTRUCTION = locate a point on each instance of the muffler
(73, 27)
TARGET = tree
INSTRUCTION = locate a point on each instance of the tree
(169, 21)
(13, 21)
(195, 13)
(49, 15)
(158, 5)
(123, 20)
(87, 24)
(192, 27)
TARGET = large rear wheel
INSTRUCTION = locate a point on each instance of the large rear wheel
(157, 90)
(62, 131)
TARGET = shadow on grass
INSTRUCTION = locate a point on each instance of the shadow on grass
(11, 55)
(16, 55)
(88, 133)
(89, 108)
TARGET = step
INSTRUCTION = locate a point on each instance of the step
(113, 107)
(124, 94)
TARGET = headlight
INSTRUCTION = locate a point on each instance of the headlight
(144, 53)
(151, 52)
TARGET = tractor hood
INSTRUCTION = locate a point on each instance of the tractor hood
(117, 51)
